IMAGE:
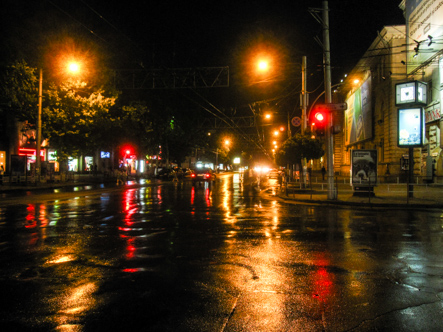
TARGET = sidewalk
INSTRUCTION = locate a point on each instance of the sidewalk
(79, 180)
(385, 195)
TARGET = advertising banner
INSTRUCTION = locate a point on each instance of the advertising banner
(364, 168)
(411, 127)
(27, 138)
(358, 116)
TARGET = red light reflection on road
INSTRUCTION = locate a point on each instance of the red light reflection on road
(208, 197)
(322, 283)
(130, 247)
(36, 218)
(31, 220)
(128, 207)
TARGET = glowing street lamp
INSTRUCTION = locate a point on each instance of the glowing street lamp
(263, 65)
(73, 68)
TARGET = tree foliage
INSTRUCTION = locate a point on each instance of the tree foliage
(19, 91)
(160, 128)
(73, 116)
(297, 147)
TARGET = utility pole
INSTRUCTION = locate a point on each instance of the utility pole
(304, 106)
(332, 193)
(304, 96)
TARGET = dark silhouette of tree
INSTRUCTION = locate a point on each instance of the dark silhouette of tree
(297, 147)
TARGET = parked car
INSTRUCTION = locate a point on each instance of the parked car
(165, 174)
(200, 175)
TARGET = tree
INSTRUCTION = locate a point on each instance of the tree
(18, 91)
(157, 125)
(73, 116)
(297, 147)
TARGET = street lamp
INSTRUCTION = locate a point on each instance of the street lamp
(263, 65)
(39, 126)
(73, 67)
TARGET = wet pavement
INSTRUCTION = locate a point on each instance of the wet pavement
(167, 256)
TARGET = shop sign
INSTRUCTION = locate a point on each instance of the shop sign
(432, 115)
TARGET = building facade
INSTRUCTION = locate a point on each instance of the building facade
(399, 54)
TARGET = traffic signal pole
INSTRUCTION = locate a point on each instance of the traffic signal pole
(332, 193)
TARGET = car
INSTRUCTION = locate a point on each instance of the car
(273, 174)
(202, 175)
(165, 174)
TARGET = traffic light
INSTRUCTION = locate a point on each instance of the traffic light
(318, 120)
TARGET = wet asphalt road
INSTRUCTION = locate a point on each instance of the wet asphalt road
(172, 257)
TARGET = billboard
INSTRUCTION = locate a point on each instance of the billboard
(358, 116)
(364, 168)
(27, 138)
(423, 19)
(411, 127)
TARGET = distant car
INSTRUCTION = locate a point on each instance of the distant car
(165, 174)
(200, 175)
(273, 174)
(186, 172)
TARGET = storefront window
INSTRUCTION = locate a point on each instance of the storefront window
(72, 165)
(89, 163)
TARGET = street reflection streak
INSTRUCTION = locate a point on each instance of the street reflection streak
(31, 221)
(322, 283)
(226, 202)
(78, 300)
(208, 197)
(130, 209)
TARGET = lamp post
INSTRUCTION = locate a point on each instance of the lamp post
(39, 127)
(72, 67)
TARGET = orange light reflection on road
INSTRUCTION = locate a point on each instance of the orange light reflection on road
(226, 199)
(77, 301)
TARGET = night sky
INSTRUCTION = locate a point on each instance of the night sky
(178, 34)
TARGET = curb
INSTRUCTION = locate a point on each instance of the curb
(362, 205)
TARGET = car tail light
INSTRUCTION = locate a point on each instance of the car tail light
(193, 175)
(207, 175)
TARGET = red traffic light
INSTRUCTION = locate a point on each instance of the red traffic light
(319, 118)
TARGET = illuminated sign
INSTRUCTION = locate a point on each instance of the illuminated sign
(104, 154)
(52, 155)
(411, 127)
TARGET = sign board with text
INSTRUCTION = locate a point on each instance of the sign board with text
(364, 168)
